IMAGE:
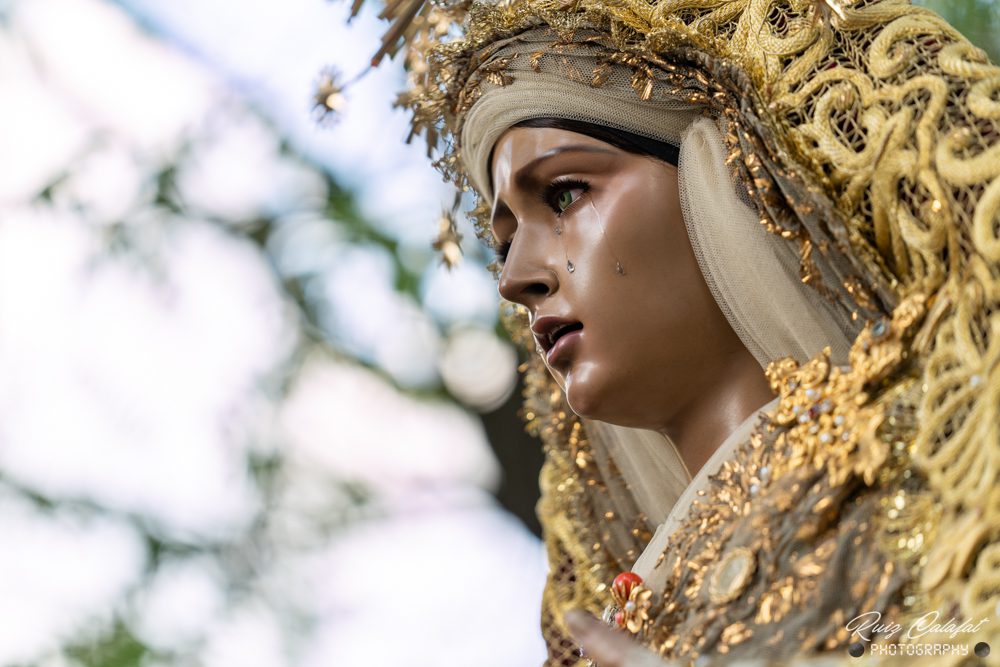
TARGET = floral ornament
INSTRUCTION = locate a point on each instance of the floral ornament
(632, 600)
(826, 411)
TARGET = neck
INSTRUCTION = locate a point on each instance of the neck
(716, 410)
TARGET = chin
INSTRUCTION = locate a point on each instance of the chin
(600, 399)
(581, 407)
(586, 395)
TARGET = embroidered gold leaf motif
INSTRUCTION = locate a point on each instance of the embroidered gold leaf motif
(831, 422)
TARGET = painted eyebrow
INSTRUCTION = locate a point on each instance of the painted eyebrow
(523, 177)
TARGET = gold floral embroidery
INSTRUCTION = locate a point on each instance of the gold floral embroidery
(831, 422)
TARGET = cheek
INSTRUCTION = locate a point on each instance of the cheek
(641, 325)
(661, 290)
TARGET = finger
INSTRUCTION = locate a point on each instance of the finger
(600, 643)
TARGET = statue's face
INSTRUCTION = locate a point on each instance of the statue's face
(647, 341)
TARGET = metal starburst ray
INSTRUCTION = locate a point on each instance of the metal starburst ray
(328, 97)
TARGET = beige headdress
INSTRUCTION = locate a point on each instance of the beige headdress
(867, 136)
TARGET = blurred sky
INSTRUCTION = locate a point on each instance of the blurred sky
(274, 51)
(184, 467)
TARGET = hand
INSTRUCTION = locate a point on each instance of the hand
(608, 647)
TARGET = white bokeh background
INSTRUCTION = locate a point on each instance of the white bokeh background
(191, 466)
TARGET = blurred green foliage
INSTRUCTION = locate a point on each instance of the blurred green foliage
(118, 648)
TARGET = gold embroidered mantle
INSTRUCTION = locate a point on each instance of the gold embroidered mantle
(780, 553)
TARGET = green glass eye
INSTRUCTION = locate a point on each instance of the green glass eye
(565, 199)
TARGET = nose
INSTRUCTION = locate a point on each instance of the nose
(527, 278)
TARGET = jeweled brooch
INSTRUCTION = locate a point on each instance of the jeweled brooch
(632, 602)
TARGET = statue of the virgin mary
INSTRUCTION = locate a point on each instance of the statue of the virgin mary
(752, 249)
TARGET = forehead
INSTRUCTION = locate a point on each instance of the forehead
(518, 147)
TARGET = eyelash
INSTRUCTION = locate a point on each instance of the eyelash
(548, 197)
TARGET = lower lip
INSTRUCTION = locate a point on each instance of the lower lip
(562, 345)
